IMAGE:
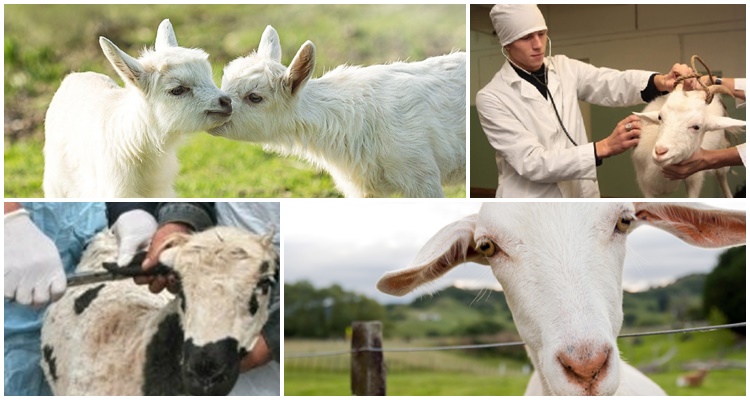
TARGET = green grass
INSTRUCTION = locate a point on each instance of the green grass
(43, 43)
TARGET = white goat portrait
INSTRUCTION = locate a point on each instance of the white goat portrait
(117, 338)
(560, 266)
(102, 140)
(378, 130)
(676, 126)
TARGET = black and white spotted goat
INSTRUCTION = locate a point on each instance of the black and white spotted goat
(119, 339)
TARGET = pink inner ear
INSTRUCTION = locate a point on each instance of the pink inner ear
(704, 228)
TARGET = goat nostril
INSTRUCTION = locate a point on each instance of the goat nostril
(225, 101)
(660, 151)
(583, 366)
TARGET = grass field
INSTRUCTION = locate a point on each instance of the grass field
(455, 373)
(43, 43)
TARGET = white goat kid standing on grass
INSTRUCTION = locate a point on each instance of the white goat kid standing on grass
(117, 338)
(677, 125)
(560, 266)
(378, 130)
(102, 140)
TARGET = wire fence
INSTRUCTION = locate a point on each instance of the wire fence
(495, 345)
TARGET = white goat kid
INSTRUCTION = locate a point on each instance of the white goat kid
(677, 125)
(117, 338)
(378, 130)
(560, 266)
(106, 141)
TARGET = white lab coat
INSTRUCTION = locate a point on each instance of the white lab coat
(533, 153)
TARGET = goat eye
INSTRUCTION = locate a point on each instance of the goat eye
(179, 91)
(695, 127)
(623, 224)
(254, 98)
(486, 247)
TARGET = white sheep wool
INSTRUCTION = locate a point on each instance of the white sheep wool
(514, 21)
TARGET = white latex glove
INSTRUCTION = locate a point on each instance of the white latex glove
(34, 273)
(133, 230)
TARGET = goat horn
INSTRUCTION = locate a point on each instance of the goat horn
(713, 89)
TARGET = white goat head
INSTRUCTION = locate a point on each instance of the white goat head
(684, 119)
(176, 82)
(225, 277)
(560, 266)
(263, 90)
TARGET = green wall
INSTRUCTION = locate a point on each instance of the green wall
(616, 175)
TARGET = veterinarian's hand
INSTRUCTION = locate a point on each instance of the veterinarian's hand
(34, 273)
(666, 82)
(696, 162)
(157, 283)
(259, 355)
(626, 134)
(133, 231)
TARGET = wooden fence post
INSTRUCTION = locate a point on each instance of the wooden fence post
(368, 366)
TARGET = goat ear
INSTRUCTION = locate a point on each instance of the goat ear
(703, 227)
(270, 45)
(451, 246)
(715, 123)
(165, 36)
(301, 68)
(651, 116)
(129, 69)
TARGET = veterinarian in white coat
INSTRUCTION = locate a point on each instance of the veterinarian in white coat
(541, 145)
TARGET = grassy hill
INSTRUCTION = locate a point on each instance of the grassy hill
(458, 312)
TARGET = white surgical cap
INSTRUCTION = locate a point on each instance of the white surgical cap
(514, 21)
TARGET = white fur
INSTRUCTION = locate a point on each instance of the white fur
(679, 112)
(102, 140)
(102, 351)
(560, 266)
(378, 130)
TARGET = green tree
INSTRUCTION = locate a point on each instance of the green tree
(725, 287)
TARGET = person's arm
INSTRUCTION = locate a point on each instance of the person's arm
(33, 270)
(737, 86)
(705, 159)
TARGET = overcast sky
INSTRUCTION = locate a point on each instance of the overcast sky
(353, 243)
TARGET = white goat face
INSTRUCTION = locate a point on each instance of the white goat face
(176, 82)
(226, 278)
(683, 121)
(563, 284)
(264, 92)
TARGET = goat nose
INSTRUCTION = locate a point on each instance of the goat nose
(226, 103)
(583, 365)
(660, 151)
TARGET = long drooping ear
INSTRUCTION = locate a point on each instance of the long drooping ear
(714, 123)
(165, 36)
(650, 117)
(270, 45)
(703, 227)
(301, 68)
(129, 69)
(169, 248)
(451, 246)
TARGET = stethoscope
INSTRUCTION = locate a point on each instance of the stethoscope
(544, 84)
